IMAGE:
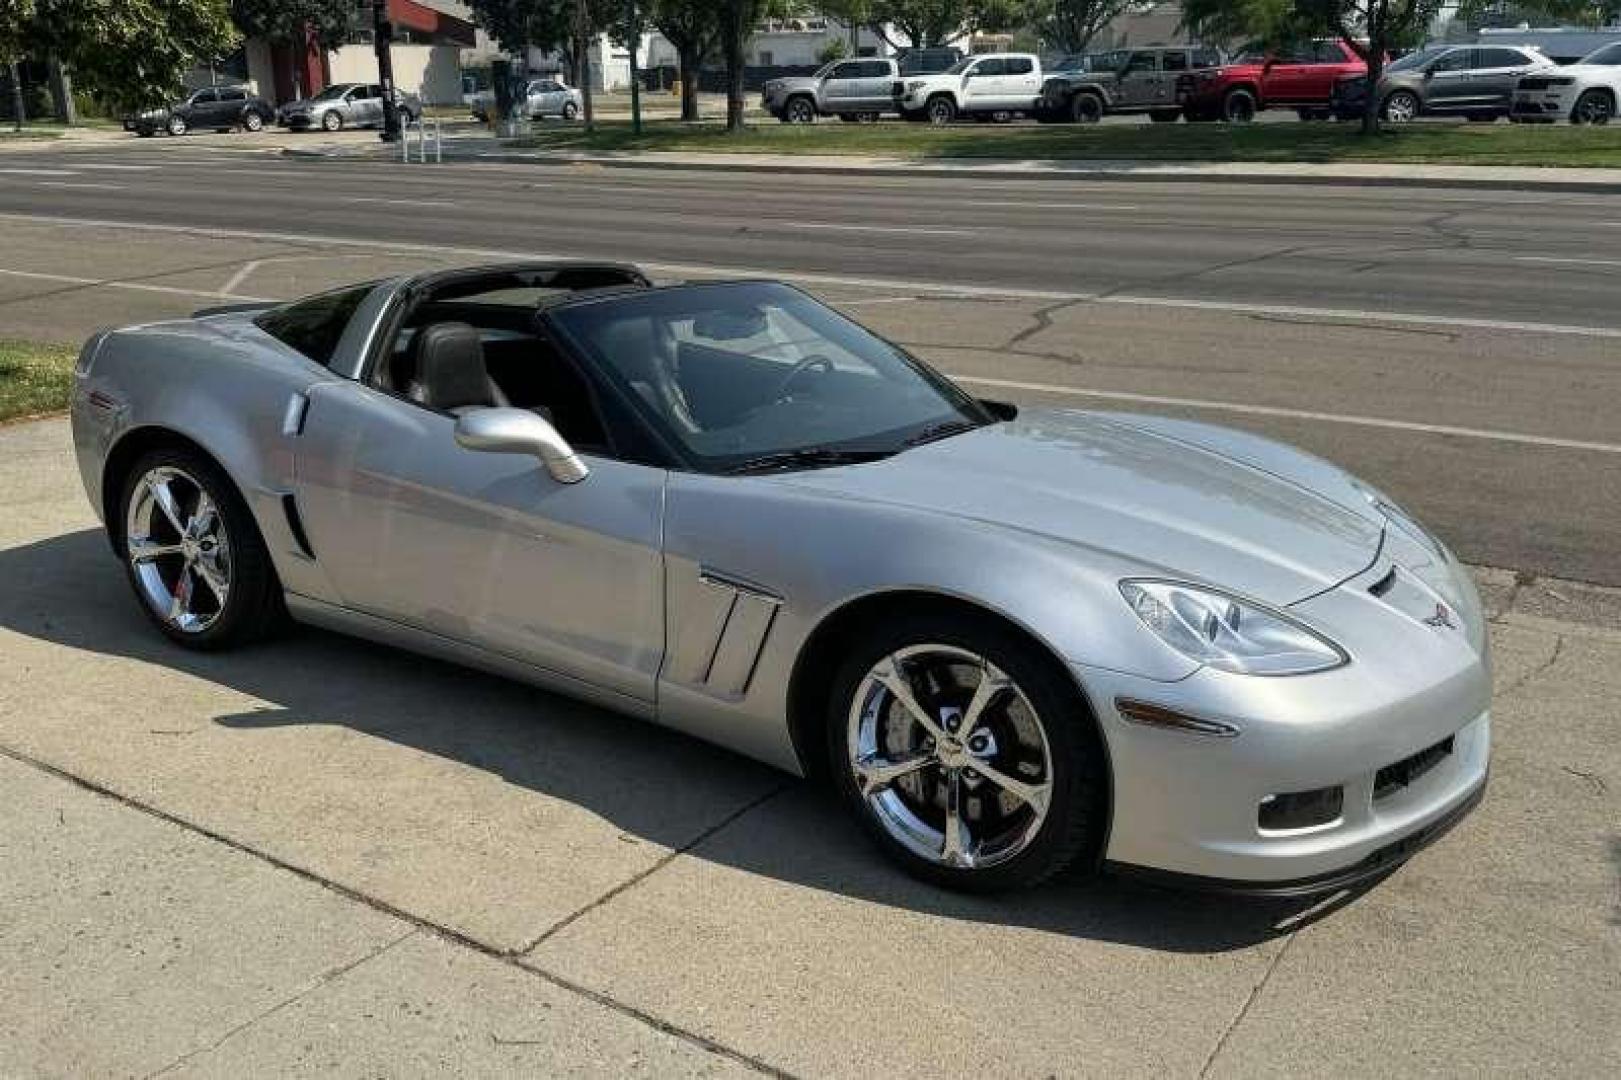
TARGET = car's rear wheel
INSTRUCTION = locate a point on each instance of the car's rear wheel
(1238, 107)
(1086, 108)
(941, 110)
(194, 554)
(1402, 107)
(1593, 107)
(968, 755)
(252, 121)
(177, 125)
(570, 110)
(332, 120)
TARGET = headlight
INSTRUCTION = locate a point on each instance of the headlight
(1227, 633)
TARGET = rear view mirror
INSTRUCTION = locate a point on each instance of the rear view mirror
(519, 431)
(730, 325)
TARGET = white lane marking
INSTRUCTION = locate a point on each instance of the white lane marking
(111, 166)
(1022, 205)
(136, 286)
(937, 287)
(240, 276)
(1296, 414)
(38, 172)
(1566, 261)
(1351, 314)
(82, 185)
(908, 229)
(401, 202)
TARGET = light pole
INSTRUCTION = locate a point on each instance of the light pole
(382, 34)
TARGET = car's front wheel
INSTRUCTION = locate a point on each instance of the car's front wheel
(1593, 107)
(177, 125)
(1086, 108)
(194, 554)
(570, 110)
(1402, 107)
(968, 755)
(800, 110)
(332, 120)
(1238, 107)
(252, 121)
(941, 110)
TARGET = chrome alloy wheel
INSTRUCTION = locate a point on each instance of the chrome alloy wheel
(949, 756)
(178, 549)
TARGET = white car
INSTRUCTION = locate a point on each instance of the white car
(1586, 92)
(995, 85)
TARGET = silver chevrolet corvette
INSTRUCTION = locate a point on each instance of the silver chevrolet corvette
(1017, 641)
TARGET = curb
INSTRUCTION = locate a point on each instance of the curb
(1135, 174)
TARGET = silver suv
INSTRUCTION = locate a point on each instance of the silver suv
(852, 90)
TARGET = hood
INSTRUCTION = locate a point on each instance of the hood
(1178, 498)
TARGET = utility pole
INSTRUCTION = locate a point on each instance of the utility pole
(382, 34)
(635, 77)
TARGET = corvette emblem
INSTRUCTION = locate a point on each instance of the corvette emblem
(1442, 619)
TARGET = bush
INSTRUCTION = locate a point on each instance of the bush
(835, 49)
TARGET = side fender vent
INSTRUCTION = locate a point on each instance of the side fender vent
(295, 525)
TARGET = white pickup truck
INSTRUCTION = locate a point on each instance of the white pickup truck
(995, 85)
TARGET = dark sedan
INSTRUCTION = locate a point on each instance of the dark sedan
(218, 108)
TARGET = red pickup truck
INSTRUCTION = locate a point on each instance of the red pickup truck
(1299, 77)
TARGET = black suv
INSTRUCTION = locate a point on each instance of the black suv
(1122, 81)
(217, 108)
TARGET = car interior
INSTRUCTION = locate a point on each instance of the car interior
(474, 342)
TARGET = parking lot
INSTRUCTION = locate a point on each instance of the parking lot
(326, 856)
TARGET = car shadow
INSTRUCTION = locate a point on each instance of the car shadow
(70, 591)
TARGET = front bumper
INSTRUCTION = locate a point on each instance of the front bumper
(1542, 106)
(1187, 807)
(295, 121)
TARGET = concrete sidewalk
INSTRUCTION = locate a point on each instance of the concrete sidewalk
(481, 148)
(324, 857)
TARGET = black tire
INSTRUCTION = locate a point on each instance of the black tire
(940, 110)
(570, 110)
(252, 121)
(1072, 835)
(1595, 107)
(332, 120)
(1165, 116)
(1401, 107)
(177, 126)
(799, 110)
(254, 606)
(1085, 108)
(1238, 107)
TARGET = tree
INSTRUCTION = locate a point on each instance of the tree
(16, 16)
(566, 27)
(292, 23)
(693, 29)
(737, 19)
(1370, 27)
(131, 52)
(1072, 24)
(928, 23)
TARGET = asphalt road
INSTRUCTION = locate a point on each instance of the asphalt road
(1457, 347)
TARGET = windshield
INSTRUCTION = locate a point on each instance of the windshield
(735, 372)
(1609, 56)
(1416, 59)
(332, 92)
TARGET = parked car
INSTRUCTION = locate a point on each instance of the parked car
(543, 96)
(1123, 81)
(344, 105)
(849, 89)
(1472, 81)
(993, 85)
(214, 108)
(1586, 92)
(1018, 641)
(1300, 77)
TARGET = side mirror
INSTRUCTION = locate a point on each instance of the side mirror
(519, 431)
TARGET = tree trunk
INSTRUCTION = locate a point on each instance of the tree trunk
(691, 63)
(1370, 106)
(62, 93)
(18, 113)
(733, 33)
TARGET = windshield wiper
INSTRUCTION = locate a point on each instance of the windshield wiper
(808, 458)
(941, 431)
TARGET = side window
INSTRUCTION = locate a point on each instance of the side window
(845, 71)
(1142, 61)
(1328, 52)
(1500, 58)
(1019, 65)
(1456, 60)
(1176, 60)
(204, 97)
(233, 95)
(1206, 58)
(988, 68)
(874, 69)
(1609, 56)
(314, 326)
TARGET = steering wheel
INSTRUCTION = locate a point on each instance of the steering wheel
(810, 363)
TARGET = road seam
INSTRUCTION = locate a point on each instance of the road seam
(1249, 1002)
(322, 980)
(455, 937)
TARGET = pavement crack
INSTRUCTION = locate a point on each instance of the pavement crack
(323, 979)
(1541, 668)
(636, 879)
(1041, 319)
(418, 922)
(1244, 1010)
